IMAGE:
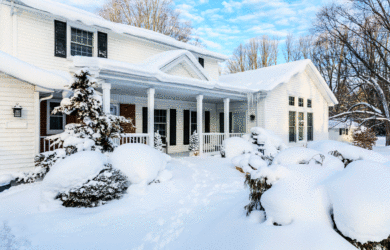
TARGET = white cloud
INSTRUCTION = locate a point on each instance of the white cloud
(203, 1)
(231, 6)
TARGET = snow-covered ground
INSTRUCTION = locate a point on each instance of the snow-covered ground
(201, 207)
(380, 147)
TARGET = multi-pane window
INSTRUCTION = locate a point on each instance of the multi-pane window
(291, 100)
(160, 122)
(310, 134)
(81, 43)
(114, 109)
(301, 125)
(56, 121)
(309, 103)
(300, 102)
(292, 126)
(343, 131)
(194, 124)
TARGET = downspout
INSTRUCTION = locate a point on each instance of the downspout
(39, 118)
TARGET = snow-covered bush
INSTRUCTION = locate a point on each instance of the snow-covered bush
(360, 202)
(194, 143)
(348, 152)
(139, 162)
(158, 142)
(266, 141)
(299, 155)
(84, 179)
(364, 138)
(235, 146)
(108, 185)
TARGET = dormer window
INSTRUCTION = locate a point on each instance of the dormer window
(81, 43)
(201, 61)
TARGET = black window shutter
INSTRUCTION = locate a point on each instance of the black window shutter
(172, 127)
(201, 61)
(60, 39)
(231, 122)
(207, 122)
(186, 129)
(102, 45)
(145, 120)
(221, 122)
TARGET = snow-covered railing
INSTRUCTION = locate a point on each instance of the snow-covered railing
(134, 138)
(212, 142)
(47, 145)
(236, 134)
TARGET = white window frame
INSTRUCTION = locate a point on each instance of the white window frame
(48, 114)
(303, 102)
(117, 109)
(69, 26)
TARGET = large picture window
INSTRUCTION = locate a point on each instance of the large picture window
(81, 43)
(292, 126)
(310, 134)
(56, 122)
(301, 125)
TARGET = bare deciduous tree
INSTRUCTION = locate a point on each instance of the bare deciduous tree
(259, 52)
(156, 15)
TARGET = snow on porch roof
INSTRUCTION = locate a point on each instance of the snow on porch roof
(268, 78)
(24, 71)
(88, 18)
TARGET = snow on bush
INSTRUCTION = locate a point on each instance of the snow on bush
(349, 152)
(267, 141)
(73, 172)
(235, 146)
(140, 163)
(299, 155)
(158, 142)
(194, 142)
(360, 199)
(364, 138)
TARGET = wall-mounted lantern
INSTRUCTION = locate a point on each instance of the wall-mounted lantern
(17, 110)
(252, 117)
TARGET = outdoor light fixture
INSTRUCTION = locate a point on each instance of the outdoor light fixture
(17, 110)
(252, 117)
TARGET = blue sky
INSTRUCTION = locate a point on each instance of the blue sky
(223, 24)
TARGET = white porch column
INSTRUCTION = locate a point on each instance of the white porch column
(226, 117)
(199, 121)
(151, 116)
(106, 97)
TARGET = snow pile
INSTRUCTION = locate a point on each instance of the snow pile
(350, 152)
(73, 171)
(360, 198)
(249, 162)
(235, 146)
(19, 69)
(140, 163)
(267, 141)
(300, 155)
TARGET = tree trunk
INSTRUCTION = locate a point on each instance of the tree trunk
(387, 133)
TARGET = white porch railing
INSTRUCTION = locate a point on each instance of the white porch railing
(212, 142)
(134, 138)
(47, 145)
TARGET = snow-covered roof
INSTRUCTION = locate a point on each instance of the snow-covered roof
(27, 72)
(151, 68)
(88, 18)
(337, 124)
(268, 78)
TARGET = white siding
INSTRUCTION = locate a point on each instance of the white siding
(277, 108)
(180, 106)
(17, 145)
(35, 43)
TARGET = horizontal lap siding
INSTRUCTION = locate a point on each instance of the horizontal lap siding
(17, 146)
(277, 108)
(180, 106)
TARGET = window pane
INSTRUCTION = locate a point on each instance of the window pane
(309, 103)
(310, 129)
(292, 128)
(56, 123)
(291, 100)
(300, 102)
(81, 43)
(301, 124)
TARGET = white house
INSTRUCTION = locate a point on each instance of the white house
(342, 130)
(161, 84)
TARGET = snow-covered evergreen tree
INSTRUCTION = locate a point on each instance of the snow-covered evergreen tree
(194, 142)
(97, 130)
(158, 142)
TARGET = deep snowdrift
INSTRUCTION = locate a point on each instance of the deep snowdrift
(235, 146)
